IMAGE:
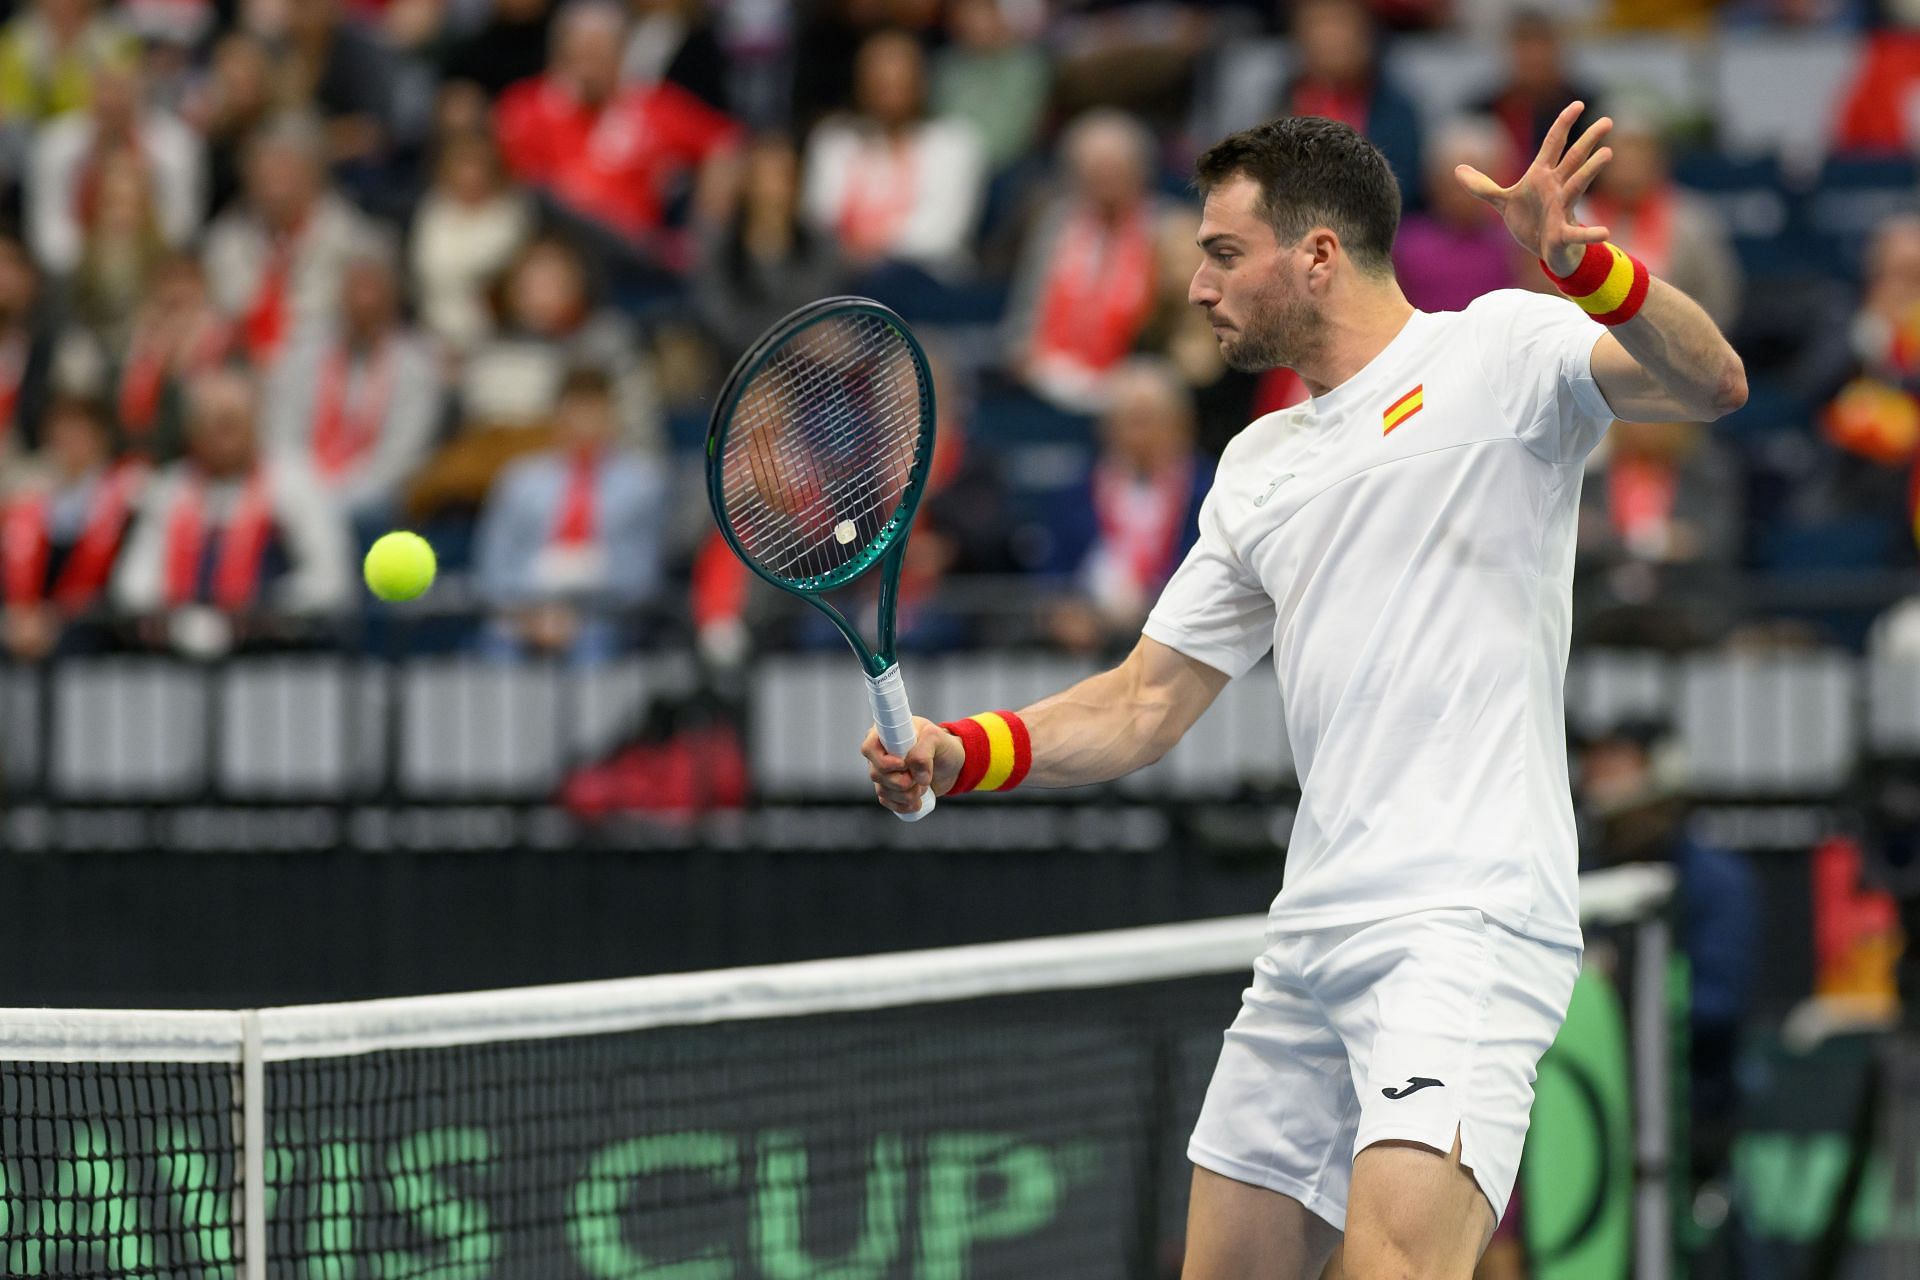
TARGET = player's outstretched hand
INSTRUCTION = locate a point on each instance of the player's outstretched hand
(934, 760)
(1538, 209)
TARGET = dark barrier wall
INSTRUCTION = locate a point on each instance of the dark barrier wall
(196, 929)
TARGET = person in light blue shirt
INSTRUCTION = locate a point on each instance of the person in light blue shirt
(570, 541)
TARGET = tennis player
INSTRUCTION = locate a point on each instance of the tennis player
(1403, 544)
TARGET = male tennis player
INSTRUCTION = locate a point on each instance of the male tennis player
(1403, 543)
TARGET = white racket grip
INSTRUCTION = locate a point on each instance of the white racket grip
(887, 695)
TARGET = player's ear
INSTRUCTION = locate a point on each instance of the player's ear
(1320, 249)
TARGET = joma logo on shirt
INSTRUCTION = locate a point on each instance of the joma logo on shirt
(1403, 408)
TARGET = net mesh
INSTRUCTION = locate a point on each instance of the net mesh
(118, 1169)
(823, 441)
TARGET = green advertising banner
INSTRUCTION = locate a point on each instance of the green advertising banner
(1577, 1177)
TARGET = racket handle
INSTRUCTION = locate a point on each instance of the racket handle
(887, 695)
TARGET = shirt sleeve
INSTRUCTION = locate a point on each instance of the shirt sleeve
(1214, 609)
(1537, 352)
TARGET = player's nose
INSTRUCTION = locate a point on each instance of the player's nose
(1200, 290)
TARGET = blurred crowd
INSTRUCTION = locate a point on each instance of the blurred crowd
(278, 275)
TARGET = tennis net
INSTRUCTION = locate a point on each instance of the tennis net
(1010, 1110)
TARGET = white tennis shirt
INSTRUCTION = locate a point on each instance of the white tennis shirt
(1404, 545)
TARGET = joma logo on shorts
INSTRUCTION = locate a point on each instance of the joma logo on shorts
(1414, 1085)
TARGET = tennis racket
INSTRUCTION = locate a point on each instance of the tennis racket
(817, 458)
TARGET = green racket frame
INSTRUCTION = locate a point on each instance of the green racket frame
(888, 546)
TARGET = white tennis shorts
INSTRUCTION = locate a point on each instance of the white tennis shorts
(1408, 1028)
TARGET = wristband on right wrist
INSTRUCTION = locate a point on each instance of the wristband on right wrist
(1610, 284)
(999, 753)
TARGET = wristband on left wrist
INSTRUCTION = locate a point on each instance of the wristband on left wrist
(1609, 283)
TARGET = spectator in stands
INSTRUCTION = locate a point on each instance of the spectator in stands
(1119, 543)
(71, 153)
(467, 231)
(603, 151)
(1865, 371)
(360, 401)
(274, 259)
(1875, 118)
(1660, 532)
(1340, 77)
(888, 183)
(510, 46)
(122, 249)
(1538, 88)
(235, 101)
(229, 532)
(1087, 280)
(1456, 248)
(962, 526)
(49, 53)
(827, 40)
(990, 77)
(347, 75)
(570, 540)
(1681, 237)
(61, 529)
(548, 323)
(176, 335)
(26, 349)
(761, 260)
(673, 42)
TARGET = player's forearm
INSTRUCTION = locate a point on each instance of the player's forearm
(1681, 348)
(1100, 729)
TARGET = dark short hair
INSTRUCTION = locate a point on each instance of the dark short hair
(1313, 172)
(586, 380)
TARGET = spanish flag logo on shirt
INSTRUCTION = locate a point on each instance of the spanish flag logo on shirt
(1402, 409)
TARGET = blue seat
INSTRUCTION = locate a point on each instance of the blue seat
(1855, 193)
(1761, 210)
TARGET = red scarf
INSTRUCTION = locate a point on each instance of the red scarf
(148, 364)
(579, 520)
(28, 544)
(1144, 546)
(882, 187)
(1099, 291)
(264, 326)
(346, 427)
(1645, 228)
(243, 544)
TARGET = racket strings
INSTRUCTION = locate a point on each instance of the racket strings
(824, 442)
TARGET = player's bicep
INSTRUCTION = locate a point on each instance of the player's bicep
(1631, 391)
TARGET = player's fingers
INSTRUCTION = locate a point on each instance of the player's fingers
(1556, 140)
(1577, 184)
(871, 747)
(1587, 235)
(1479, 184)
(899, 801)
(1577, 153)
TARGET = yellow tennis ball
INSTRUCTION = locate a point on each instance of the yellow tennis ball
(399, 566)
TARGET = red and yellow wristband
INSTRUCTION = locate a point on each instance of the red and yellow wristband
(1610, 284)
(999, 753)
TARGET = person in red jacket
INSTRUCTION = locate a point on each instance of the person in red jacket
(603, 150)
